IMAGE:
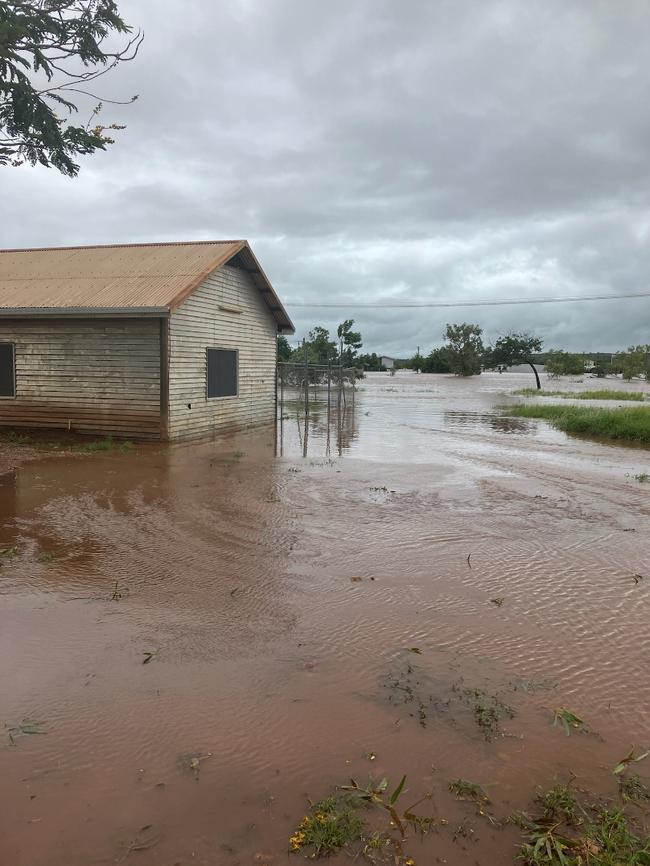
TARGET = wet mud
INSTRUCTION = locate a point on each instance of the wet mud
(197, 641)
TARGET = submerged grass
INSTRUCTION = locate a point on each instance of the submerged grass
(335, 823)
(633, 788)
(465, 790)
(106, 444)
(488, 711)
(608, 838)
(12, 437)
(558, 803)
(624, 425)
(331, 824)
(602, 394)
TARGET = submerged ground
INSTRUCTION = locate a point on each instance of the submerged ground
(197, 640)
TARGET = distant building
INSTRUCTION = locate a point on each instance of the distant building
(387, 362)
(152, 341)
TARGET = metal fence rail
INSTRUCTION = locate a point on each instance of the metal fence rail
(304, 384)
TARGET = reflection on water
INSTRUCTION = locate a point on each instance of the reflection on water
(324, 427)
(279, 582)
(402, 418)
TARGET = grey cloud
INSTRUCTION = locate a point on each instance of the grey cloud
(376, 151)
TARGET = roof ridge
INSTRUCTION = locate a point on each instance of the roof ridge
(121, 246)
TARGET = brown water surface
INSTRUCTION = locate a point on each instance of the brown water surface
(281, 597)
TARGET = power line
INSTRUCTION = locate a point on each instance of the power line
(495, 303)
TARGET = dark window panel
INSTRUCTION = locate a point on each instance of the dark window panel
(7, 371)
(221, 373)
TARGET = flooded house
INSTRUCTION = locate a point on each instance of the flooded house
(150, 341)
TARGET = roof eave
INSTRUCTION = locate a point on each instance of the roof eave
(262, 282)
(85, 312)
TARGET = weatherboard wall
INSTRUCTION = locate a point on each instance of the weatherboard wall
(226, 312)
(99, 376)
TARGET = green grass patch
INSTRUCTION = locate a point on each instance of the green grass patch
(64, 442)
(606, 837)
(334, 824)
(106, 444)
(330, 825)
(558, 803)
(625, 425)
(602, 394)
(95, 446)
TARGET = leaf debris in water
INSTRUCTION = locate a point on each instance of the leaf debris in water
(25, 728)
(567, 719)
(628, 759)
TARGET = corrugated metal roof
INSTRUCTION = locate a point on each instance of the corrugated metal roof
(129, 277)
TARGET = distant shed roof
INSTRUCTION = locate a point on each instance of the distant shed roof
(124, 278)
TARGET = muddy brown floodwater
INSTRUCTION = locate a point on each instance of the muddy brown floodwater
(278, 601)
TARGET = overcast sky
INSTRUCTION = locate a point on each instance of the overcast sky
(381, 151)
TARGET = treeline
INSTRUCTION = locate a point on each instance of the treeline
(633, 362)
(465, 354)
(319, 348)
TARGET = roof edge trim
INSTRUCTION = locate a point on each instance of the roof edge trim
(216, 263)
(89, 312)
(268, 293)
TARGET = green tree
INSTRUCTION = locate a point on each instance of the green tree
(350, 342)
(321, 349)
(284, 349)
(369, 362)
(512, 349)
(559, 363)
(436, 362)
(464, 349)
(50, 52)
(634, 362)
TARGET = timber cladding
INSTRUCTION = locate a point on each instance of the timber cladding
(87, 375)
(143, 341)
(227, 312)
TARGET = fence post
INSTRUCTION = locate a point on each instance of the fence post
(281, 368)
(304, 438)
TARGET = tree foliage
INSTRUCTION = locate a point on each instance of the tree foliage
(350, 342)
(435, 362)
(284, 349)
(370, 362)
(559, 363)
(322, 349)
(319, 347)
(634, 362)
(50, 53)
(464, 349)
(511, 349)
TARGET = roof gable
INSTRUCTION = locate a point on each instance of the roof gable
(136, 278)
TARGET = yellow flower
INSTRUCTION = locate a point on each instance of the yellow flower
(296, 841)
(409, 862)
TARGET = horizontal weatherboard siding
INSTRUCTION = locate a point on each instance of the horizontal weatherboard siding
(226, 312)
(89, 376)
